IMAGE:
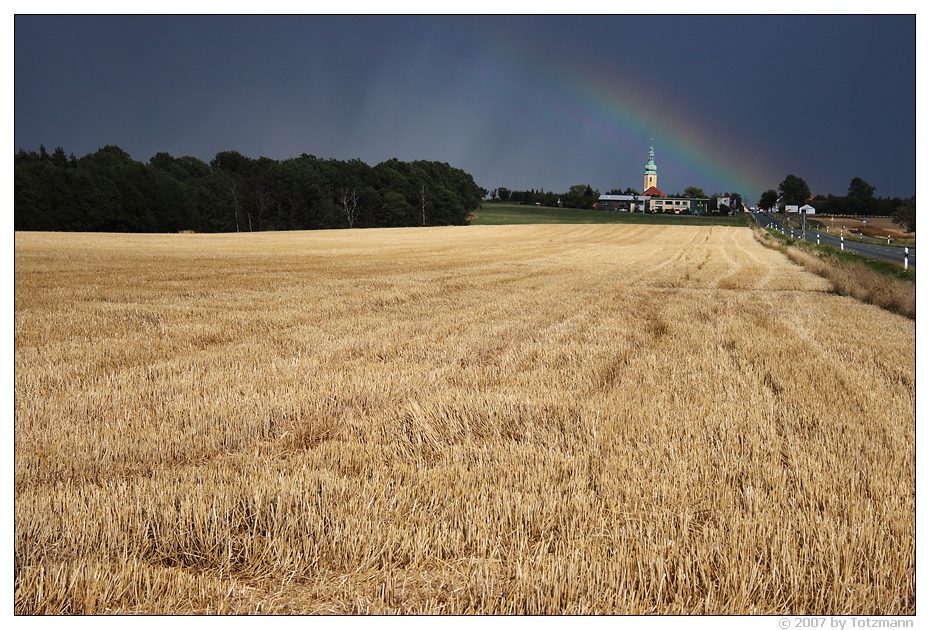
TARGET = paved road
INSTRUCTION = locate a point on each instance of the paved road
(890, 253)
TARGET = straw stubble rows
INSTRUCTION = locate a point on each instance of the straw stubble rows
(513, 419)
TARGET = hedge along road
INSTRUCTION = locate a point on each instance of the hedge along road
(890, 253)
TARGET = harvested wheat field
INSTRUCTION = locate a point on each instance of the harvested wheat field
(508, 419)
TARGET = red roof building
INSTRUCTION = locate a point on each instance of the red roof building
(652, 191)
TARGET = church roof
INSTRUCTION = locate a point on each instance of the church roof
(654, 192)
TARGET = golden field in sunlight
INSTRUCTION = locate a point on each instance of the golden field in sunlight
(504, 419)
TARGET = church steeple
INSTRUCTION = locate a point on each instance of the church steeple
(650, 177)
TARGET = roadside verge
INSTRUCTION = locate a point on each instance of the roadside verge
(885, 285)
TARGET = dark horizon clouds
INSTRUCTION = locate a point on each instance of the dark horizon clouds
(731, 103)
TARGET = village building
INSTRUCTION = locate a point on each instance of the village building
(622, 203)
(652, 200)
(781, 205)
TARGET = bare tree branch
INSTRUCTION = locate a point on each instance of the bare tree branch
(349, 200)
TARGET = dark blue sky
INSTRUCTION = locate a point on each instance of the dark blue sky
(731, 103)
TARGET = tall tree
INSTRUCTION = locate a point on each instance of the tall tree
(906, 215)
(423, 201)
(396, 210)
(59, 159)
(860, 198)
(860, 189)
(694, 192)
(768, 199)
(795, 190)
(349, 200)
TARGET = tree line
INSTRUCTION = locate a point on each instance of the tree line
(108, 191)
(860, 200)
(577, 196)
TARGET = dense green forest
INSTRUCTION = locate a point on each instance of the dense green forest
(108, 191)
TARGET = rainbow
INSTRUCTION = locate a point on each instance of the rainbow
(615, 117)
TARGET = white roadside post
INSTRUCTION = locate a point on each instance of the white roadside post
(803, 224)
(841, 243)
(818, 238)
(906, 251)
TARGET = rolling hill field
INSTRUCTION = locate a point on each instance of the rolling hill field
(533, 419)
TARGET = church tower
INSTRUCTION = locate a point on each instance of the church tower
(650, 178)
